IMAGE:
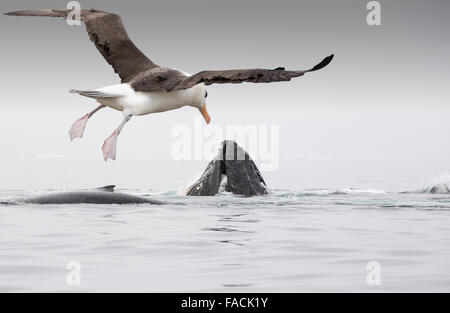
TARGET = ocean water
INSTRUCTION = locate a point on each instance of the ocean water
(287, 241)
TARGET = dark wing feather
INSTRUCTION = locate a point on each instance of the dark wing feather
(108, 33)
(158, 79)
(250, 75)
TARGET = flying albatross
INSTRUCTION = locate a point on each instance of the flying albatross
(146, 87)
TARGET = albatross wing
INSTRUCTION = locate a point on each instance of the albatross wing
(108, 33)
(168, 79)
(247, 75)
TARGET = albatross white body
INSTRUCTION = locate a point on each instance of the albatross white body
(124, 98)
(132, 102)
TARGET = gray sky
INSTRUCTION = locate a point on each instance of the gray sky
(377, 117)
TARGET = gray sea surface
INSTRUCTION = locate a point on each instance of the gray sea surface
(287, 241)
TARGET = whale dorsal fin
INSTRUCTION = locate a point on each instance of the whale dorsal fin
(109, 188)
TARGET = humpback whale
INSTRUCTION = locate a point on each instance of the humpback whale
(438, 189)
(103, 195)
(233, 163)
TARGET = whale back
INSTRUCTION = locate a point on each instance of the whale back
(89, 197)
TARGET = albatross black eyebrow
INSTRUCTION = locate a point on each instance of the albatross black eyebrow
(206, 94)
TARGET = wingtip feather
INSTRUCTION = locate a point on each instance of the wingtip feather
(39, 12)
(324, 63)
(10, 13)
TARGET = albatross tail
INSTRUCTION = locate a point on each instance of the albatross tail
(94, 94)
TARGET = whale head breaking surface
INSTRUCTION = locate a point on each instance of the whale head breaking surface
(243, 177)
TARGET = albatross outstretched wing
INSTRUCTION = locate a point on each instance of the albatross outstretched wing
(108, 33)
(250, 75)
(170, 79)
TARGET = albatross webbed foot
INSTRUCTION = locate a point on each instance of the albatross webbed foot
(109, 146)
(77, 129)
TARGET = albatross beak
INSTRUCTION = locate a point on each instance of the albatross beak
(205, 114)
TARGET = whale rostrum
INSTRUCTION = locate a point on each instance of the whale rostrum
(242, 175)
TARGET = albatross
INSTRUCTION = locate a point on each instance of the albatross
(146, 87)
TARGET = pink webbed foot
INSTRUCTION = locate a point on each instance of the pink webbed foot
(77, 129)
(109, 147)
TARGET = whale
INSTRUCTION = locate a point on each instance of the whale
(102, 195)
(438, 189)
(233, 168)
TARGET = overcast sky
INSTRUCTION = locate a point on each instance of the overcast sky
(376, 117)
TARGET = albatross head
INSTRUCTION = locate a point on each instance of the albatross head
(200, 103)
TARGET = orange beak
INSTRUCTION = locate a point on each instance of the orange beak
(205, 114)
